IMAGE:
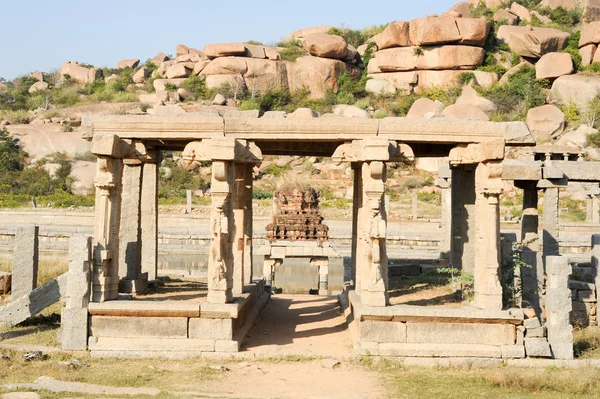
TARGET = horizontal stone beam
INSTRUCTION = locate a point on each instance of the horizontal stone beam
(172, 127)
(521, 170)
(195, 127)
(574, 171)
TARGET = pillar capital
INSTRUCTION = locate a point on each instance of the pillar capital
(222, 149)
(490, 150)
(373, 149)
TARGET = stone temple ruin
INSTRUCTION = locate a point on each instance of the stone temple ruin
(122, 255)
(296, 216)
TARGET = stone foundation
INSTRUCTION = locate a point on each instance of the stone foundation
(173, 329)
(433, 331)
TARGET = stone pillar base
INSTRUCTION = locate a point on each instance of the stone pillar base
(215, 296)
(105, 289)
(137, 286)
(378, 299)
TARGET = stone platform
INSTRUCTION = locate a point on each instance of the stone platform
(407, 331)
(173, 329)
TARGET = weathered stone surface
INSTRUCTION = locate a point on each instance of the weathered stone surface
(590, 34)
(577, 137)
(537, 347)
(465, 111)
(591, 10)
(220, 329)
(566, 4)
(141, 76)
(587, 54)
(255, 51)
(470, 97)
(513, 351)
(438, 350)
(558, 307)
(383, 87)
(131, 63)
(160, 84)
(181, 49)
(425, 106)
(553, 65)
(488, 3)
(178, 71)
(325, 46)
(463, 8)
(521, 170)
(317, 74)
(533, 42)
(522, 12)
(79, 73)
(579, 89)
(473, 31)
(139, 327)
(302, 33)
(21, 395)
(224, 50)
(507, 16)
(461, 333)
(349, 111)
(159, 58)
(396, 34)
(49, 384)
(432, 58)
(38, 86)
(545, 122)
(25, 261)
(154, 98)
(430, 31)
(380, 331)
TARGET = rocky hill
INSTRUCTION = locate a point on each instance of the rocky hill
(494, 60)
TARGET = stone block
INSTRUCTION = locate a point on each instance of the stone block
(537, 347)
(366, 348)
(170, 309)
(513, 351)
(139, 327)
(587, 296)
(105, 145)
(461, 333)
(150, 344)
(217, 329)
(74, 329)
(439, 350)
(227, 346)
(25, 261)
(532, 322)
(382, 331)
(538, 332)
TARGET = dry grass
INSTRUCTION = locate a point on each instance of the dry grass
(586, 342)
(48, 268)
(459, 383)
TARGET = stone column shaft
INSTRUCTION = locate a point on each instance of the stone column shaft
(106, 229)
(589, 207)
(558, 307)
(356, 194)
(238, 238)
(595, 209)
(468, 220)
(371, 247)
(149, 220)
(532, 278)
(446, 223)
(25, 261)
(74, 319)
(130, 267)
(248, 223)
(456, 214)
(551, 230)
(220, 260)
(487, 287)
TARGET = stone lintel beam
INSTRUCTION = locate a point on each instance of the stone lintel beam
(187, 126)
(521, 170)
(373, 149)
(547, 183)
(465, 154)
(197, 127)
(112, 146)
(222, 149)
(574, 171)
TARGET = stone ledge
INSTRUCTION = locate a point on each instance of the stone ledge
(427, 350)
(424, 314)
(130, 308)
(150, 344)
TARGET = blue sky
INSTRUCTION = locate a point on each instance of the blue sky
(42, 35)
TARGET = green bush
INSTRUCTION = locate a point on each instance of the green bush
(593, 140)
(291, 50)
(400, 106)
(261, 193)
(12, 155)
(196, 86)
(275, 170)
(247, 105)
(573, 49)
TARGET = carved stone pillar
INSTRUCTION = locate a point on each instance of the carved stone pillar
(248, 225)
(220, 261)
(356, 200)
(551, 223)
(457, 212)
(149, 218)
(130, 267)
(487, 287)
(106, 229)
(444, 183)
(237, 240)
(532, 278)
(375, 267)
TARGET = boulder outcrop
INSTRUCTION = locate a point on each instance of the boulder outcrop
(533, 42)
(553, 65)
